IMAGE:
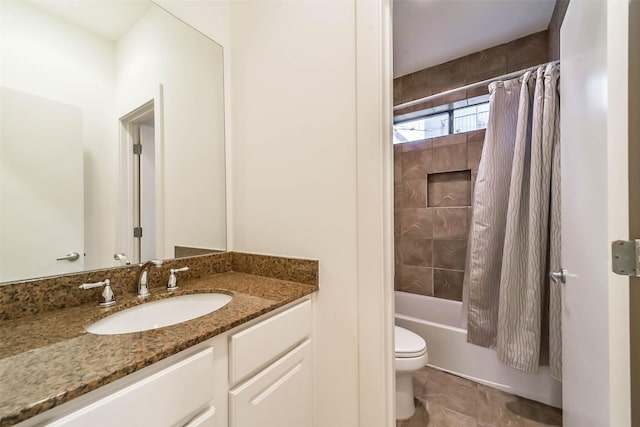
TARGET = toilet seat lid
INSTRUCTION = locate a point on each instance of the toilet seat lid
(409, 344)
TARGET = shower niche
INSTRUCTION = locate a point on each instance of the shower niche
(449, 189)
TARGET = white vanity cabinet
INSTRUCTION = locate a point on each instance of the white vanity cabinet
(270, 371)
(255, 375)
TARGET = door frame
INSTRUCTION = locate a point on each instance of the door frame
(634, 201)
(374, 185)
(128, 123)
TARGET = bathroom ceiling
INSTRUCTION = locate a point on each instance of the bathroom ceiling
(430, 32)
(105, 18)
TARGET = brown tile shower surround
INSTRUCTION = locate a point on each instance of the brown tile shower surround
(445, 400)
(434, 178)
(515, 55)
(47, 358)
(433, 183)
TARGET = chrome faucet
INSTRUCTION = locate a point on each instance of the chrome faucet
(122, 258)
(143, 277)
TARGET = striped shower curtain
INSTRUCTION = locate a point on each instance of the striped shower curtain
(514, 240)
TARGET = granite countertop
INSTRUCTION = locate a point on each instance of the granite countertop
(47, 359)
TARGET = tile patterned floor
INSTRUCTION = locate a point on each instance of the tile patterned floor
(445, 400)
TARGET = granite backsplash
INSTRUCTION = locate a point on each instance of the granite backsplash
(29, 297)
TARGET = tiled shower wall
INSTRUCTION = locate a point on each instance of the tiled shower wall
(433, 183)
(434, 178)
(505, 58)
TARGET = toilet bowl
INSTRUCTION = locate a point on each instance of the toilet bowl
(410, 355)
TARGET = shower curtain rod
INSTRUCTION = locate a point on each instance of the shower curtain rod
(469, 86)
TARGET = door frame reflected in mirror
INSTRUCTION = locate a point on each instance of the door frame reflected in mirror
(130, 225)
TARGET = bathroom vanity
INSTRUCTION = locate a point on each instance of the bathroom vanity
(246, 364)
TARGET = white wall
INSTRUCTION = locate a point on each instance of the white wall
(40, 56)
(299, 185)
(159, 50)
(294, 176)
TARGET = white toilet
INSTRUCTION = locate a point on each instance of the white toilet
(411, 355)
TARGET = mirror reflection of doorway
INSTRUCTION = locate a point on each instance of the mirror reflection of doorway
(139, 182)
(144, 190)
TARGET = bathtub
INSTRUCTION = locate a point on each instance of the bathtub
(438, 321)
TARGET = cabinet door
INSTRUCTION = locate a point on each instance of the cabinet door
(279, 396)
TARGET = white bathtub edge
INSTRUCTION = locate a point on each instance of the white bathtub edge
(449, 351)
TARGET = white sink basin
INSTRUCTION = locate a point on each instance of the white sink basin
(158, 314)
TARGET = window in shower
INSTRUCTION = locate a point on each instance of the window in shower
(470, 118)
(423, 128)
(457, 117)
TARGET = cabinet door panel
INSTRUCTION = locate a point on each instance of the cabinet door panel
(279, 396)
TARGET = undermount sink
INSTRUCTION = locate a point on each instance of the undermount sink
(158, 314)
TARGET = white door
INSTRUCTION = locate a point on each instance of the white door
(594, 123)
(41, 186)
(147, 192)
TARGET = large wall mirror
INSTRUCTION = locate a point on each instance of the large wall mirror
(111, 137)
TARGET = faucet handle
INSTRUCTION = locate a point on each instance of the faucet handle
(107, 297)
(172, 284)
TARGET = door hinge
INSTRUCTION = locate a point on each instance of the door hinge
(626, 257)
(137, 149)
(137, 231)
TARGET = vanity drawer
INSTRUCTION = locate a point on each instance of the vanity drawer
(165, 398)
(257, 346)
(278, 396)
